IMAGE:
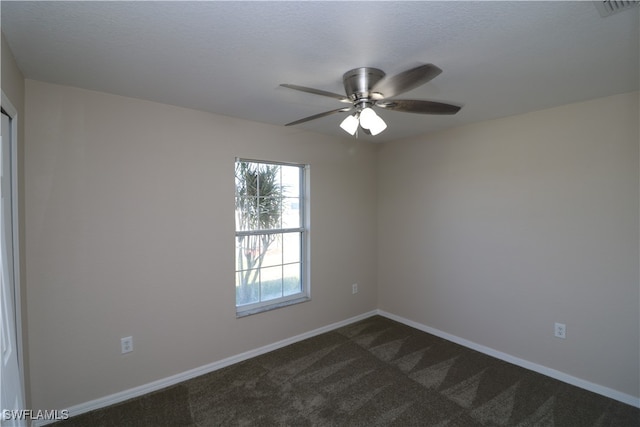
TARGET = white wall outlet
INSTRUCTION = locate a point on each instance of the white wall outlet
(126, 344)
(354, 288)
(560, 330)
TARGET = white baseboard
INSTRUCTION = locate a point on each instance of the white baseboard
(596, 388)
(187, 375)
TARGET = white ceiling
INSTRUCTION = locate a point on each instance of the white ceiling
(498, 58)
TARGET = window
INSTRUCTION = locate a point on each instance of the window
(271, 236)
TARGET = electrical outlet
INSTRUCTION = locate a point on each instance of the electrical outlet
(354, 288)
(126, 344)
(560, 330)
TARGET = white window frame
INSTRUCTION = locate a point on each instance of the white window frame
(305, 289)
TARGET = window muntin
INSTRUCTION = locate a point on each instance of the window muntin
(270, 235)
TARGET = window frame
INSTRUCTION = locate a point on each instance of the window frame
(303, 230)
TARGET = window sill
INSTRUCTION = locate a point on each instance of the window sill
(275, 306)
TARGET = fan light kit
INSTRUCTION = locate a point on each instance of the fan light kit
(367, 119)
(366, 88)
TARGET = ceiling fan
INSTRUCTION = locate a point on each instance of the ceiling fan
(367, 87)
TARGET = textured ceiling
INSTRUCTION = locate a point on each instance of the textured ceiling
(498, 58)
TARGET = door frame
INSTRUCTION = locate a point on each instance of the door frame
(12, 112)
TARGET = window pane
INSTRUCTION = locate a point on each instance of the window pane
(241, 178)
(290, 212)
(272, 243)
(291, 181)
(291, 279)
(291, 246)
(247, 291)
(248, 249)
(270, 212)
(271, 283)
(246, 213)
(268, 177)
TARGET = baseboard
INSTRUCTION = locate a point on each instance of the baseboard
(561, 376)
(187, 375)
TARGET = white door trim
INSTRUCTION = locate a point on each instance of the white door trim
(8, 107)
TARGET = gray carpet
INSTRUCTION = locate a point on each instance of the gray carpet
(375, 372)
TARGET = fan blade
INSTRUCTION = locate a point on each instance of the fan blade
(406, 80)
(317, 116)
(340, 98)
(420, 107)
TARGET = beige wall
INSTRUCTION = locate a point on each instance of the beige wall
(12, 79)
(13, 88)
(490, 232)
(494, 231)
(129, 218)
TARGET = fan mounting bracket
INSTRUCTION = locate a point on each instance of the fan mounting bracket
(359, 83)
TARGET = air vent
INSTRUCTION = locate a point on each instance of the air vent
(609, 7)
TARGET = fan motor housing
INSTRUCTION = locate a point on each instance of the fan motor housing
(359, 82)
